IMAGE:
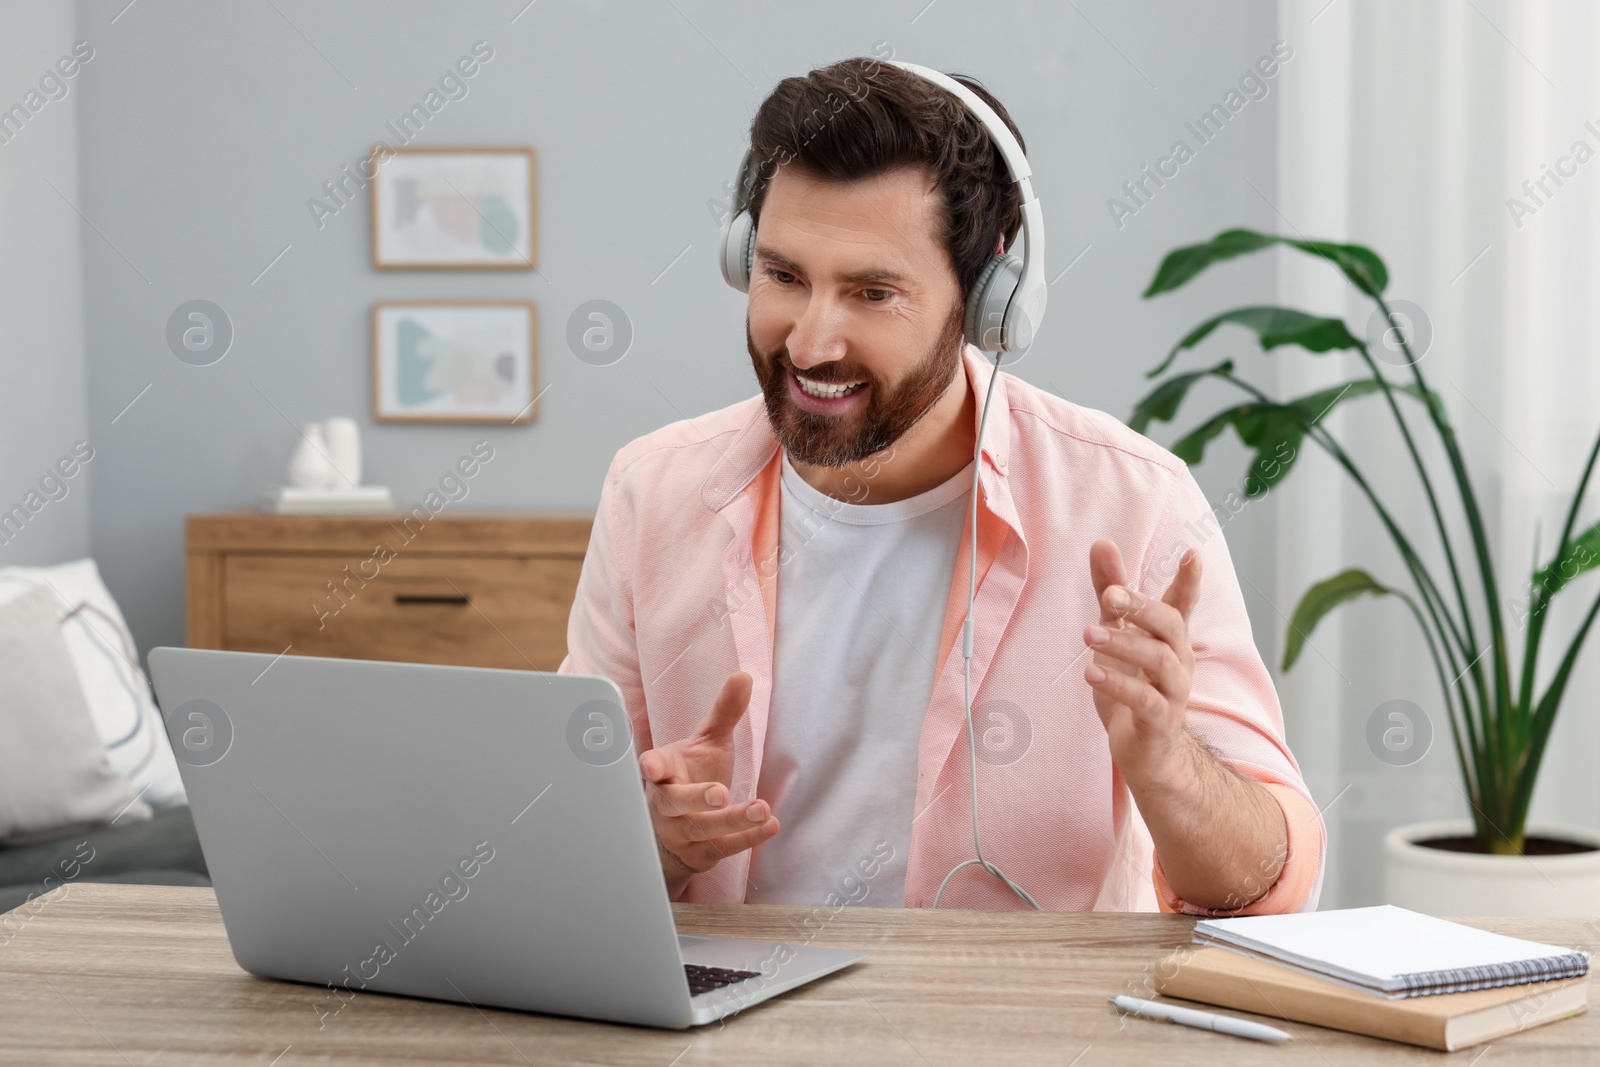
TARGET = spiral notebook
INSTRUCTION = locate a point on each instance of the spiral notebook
(1393, 952)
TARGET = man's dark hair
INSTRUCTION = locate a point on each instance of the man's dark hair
(862, 116)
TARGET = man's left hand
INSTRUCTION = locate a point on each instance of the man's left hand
(1143, 667)
(1221, 837)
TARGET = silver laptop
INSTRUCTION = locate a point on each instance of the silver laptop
(458, 833)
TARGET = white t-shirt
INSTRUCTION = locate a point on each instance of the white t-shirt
(861, 604)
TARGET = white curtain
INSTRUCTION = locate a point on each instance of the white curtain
(1407, 128)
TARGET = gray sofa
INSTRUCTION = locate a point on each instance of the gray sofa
(160, 851)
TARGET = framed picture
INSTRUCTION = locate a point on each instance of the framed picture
(455, 361)
(454, 208)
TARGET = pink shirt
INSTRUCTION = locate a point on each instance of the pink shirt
(678, 591)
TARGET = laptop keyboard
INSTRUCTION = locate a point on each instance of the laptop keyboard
(705, 979)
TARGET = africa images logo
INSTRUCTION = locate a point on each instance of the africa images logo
(598, 733)
(200, 731)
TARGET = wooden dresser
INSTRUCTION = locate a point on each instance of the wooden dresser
(473, 588)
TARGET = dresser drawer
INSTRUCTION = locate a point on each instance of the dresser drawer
(484, 611)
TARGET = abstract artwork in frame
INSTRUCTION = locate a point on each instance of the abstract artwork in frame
(454, 208)
(455, 361)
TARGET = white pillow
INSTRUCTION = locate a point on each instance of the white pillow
(103, 654)
(54, 774)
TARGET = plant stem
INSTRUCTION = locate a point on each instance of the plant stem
(1420, 573)
(1541, 593)
(1433, 600)
(1471, 646)
(1449, 705)
(1501, 716)
(1544, 718)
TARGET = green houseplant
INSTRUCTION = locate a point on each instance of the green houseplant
(1499, 725)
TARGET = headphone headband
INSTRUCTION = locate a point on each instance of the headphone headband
(1008, 299)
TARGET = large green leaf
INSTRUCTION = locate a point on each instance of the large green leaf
(1582, 553)
(1315, 405)
(1191, 447)
(1276, 431)
(1256, 423)
(1182, 264)
(1162, 403)
(1274, 326)
(1322, 598)
(1276, 434)
(1359, 264)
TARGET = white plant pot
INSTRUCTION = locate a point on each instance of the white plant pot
(1440, 882)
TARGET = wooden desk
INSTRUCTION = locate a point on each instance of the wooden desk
(114, 974)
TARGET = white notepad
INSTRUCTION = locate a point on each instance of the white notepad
(1391, 951)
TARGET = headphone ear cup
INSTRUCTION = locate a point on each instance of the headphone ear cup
(991, 294)
(738, 250)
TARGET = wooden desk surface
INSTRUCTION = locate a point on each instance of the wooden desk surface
(142, 975)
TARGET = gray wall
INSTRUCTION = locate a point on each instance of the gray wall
(41, 294)
(206, 127)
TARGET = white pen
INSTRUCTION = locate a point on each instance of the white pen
(1201, 1020)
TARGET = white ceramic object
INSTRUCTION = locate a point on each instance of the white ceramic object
(309, 467)
(1440, 882)
(344, 449)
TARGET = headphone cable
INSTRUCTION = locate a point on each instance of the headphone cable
(966, 670)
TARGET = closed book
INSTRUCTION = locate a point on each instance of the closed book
(1446, 1021)
(293, 500)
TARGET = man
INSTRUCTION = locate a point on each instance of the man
(778, 587)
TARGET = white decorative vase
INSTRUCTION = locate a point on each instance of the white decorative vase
(309, 467)
(344, 449)
(1443, 882)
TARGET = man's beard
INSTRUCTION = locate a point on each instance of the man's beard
(838, 441)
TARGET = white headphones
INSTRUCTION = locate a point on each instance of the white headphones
(1003, 314)
(1007, 301)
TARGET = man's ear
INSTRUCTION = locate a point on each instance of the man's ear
(1000, 246)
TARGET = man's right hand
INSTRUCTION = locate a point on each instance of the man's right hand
(686, 783)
